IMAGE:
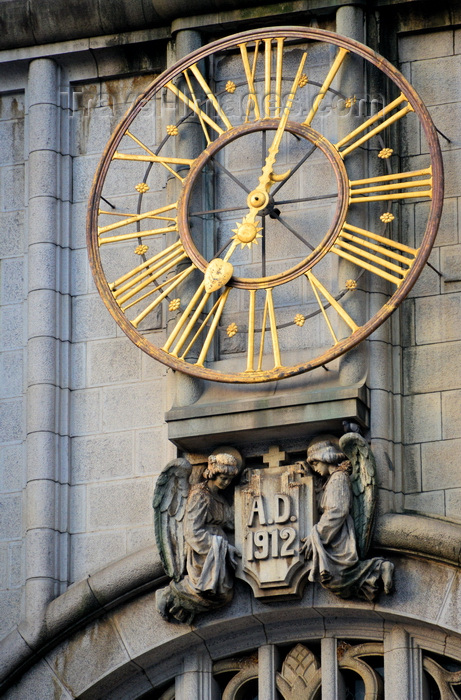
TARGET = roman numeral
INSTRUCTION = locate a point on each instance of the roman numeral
(250, 72)
(194, 103)
(268, 77)
(152, 158)
(129, 220)
(340, 56)
(269, 311)
(210, 95)
(377, 129)
(133, 282)
(372, 252)
(387, 186)
(251, 331)
(317, 287)
(189, 327)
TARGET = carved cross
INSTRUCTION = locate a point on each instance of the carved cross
(274, 457)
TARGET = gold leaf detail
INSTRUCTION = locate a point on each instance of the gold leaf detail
(387, 217)
(230, 86)
(141, 249)
(350, 101)
(231, 329)
(174, 304)
(142, 187)
(299, 320)
(385, 153)
(172, 130)
(351, 284)
(303, 80)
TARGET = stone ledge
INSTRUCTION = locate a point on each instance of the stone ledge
(263, 417)
(141, 572)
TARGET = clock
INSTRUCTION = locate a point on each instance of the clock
(249, 218)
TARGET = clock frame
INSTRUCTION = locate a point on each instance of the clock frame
(270, 95)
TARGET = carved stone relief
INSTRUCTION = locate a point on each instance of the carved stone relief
(361, 667)
(309, 520)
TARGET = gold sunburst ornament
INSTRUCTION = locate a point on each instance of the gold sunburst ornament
(246, 234)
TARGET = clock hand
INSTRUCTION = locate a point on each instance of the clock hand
(258, 198)
(219, 271)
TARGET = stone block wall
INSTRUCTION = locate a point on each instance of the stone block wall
(431, 366)
(12, 356)
(118, 394)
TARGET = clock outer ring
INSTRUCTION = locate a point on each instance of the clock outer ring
(386, 310)
(315, 138)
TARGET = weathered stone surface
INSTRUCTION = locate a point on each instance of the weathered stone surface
(85, 412)
(422, 418)
(12, 468)
(11, 374)
(90, 319)
(10, 606)
(438, 319)
(439, 466)
(119, 504)
(88, 657)
(453, 504)
(139, 538)
(412, 468)
(451, 414)
(435, 367)
(410, 576)
(117, 360)
(42, 266)
(143, 630)
(12, 226)
(12, 280)
(101, 457)
(153, 451)
(92, 551)
(431, 45)
(435, 91)
(11, 420)
(132, 406)
(431, 502)
(450, 260)
(42, 360)
(40, 683)
(11, 327)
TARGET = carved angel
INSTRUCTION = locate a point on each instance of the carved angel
(190, 528)
(339, 542)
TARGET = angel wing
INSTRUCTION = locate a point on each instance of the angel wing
(357, 450)
(170, 496)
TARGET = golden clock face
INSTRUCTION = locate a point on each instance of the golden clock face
(250, 216)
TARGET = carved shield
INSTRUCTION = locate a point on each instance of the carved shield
(274, 511)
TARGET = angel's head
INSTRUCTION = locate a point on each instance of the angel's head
(221, 470)
(325, 456)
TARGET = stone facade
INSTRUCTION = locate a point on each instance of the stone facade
(86, 417)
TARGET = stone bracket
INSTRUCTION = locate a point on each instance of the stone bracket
(205, 425)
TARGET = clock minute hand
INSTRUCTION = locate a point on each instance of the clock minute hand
(268, 177)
